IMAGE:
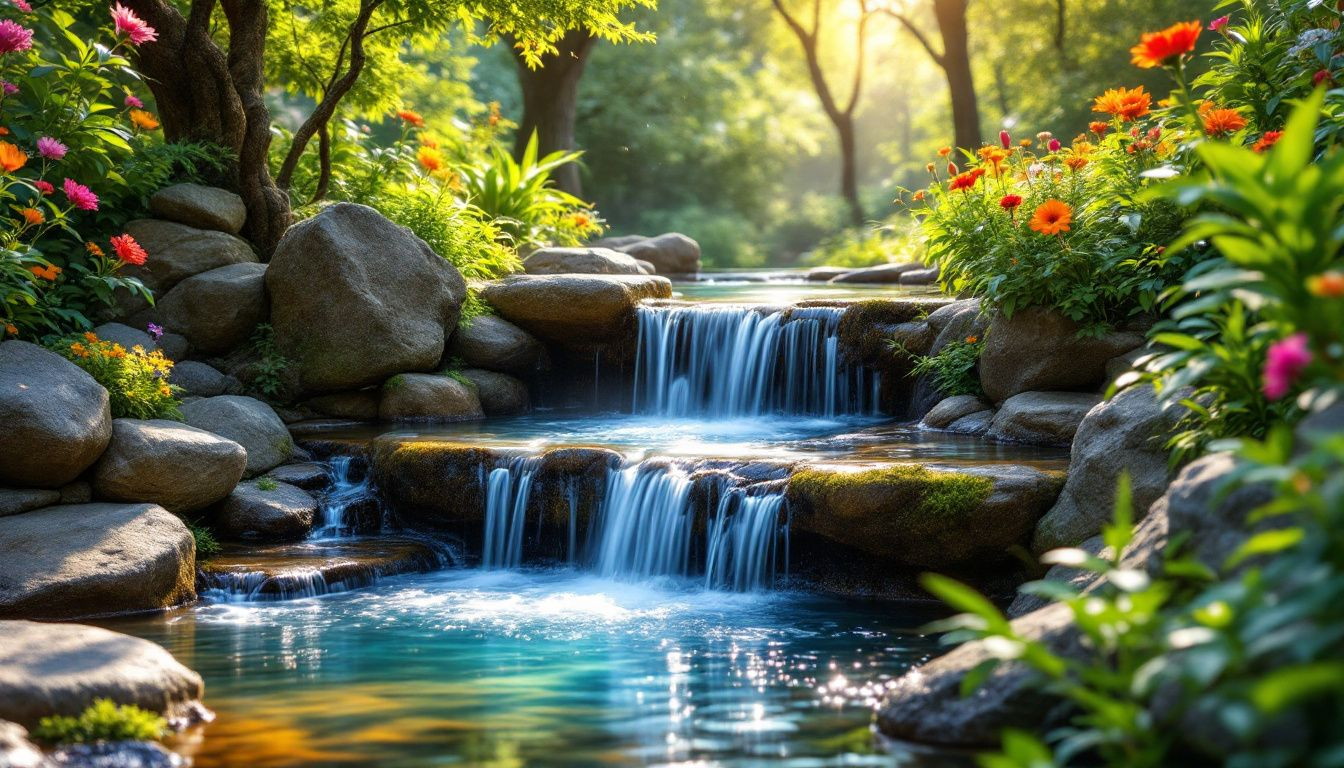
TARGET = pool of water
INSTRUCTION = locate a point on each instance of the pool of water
(542, 668)
(861, 439)
(770, 287)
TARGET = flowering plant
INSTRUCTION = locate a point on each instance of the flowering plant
(136, 380)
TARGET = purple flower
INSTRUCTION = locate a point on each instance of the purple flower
(14, 37)
(8, 88)
(1284, 364)
(51, 149)
(155, 330)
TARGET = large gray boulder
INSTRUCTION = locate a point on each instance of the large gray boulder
(882, 273)
(1042, 418)
(200, 380)
(126, 336)
(177, 251)
(248, 422)
(1038, 350)
(500, 394)
(180, 467)
(16, 501)
(670, 254)
(220, 309)
(495, 344)
(361, 405)
(59, 669)
(957, 321)
(1127, 433)
(925, 705)
(575, 310)
(356, 298)
(255, 513)
(429, 397)
(78, 560)
(580, 261)
(201, 207)
(56, 420)
(953, 409)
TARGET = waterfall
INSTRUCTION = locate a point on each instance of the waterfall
(743, 537)
(345, 493)
(508, 489)
(645, 524)
(726, 361)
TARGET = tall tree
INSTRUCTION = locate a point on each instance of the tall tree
(550, 101)
(954, 59)
(841, 116)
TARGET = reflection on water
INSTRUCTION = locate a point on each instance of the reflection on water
(777, 286)
(541, 668)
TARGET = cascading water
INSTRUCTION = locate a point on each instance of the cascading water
(644, 526)
(345, 493)
(727, 361)
(743, 541)
(507, 492)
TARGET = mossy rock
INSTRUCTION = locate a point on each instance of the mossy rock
(867, 326)
(433, 484)
(916, 517)
(577, 474)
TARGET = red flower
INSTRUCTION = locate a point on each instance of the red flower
(1157, 49)
(128, 250)
(1010, 202)
(44, 187)
(1099, 128)
(1320, 77)
(1267, 141)
(966, 180)
(1005, 139)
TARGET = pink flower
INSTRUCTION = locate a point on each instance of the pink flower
(14, 37)
(135, 29)
(23, 5)
(1320, 77)
(1055, 145)
(44, 187)
(81, 196)
(7, 88)
(133, 102)
(1006, 139)
(51, 149)
(1284, 364)
(1219, 24)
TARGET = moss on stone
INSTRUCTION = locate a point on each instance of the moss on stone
(432, 484)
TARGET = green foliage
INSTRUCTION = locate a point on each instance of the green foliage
(456, 230)
(1273, 221)
(207, 546)
(867, 248)
(103, 720)
(267, 484)
(953, 369)
(270, 363)
(136, 380)
(931, 495)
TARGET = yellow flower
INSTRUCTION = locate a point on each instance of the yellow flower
(430, 159)
(79, 349)
(91, 337)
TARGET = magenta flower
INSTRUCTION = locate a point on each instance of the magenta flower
(14, 37)
(1219, 24)
(7, 88)
(51, 149)
(1284, 363)
(155, 330)
(135, 29)
(134, 102)
(1006, 139)
(44, 187)
(23, 5)
(79, 195)
(1055, 145)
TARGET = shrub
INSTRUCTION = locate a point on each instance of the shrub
(953, 369)
(207, 546)
(267, 484)
(136, 380)
(270, 365)
(102, 721)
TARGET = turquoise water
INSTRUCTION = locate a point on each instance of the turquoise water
(783, 287)
(542, 668)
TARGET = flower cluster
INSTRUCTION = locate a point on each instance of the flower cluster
(136, 379)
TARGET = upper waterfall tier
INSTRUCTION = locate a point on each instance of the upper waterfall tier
(730, 361)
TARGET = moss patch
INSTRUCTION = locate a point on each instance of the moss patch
(866, 326)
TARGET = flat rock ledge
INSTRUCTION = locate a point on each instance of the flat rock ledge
(59, 669)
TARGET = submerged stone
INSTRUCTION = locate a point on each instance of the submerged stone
(314, 568)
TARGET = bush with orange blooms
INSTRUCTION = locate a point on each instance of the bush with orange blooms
(136, 379)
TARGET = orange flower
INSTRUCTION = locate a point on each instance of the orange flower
(11, 329)
(11, 157)
(971, 339)
(32, 216)
(580, 220)
(411, 118)
(1125, 103)
(1157, 49)
(1221, 122)
(430, 159)
(79, 349)
(1052, 218)
(129, 251)
(46, 273)
(1329, 285)
(993, 157)
(919, 196)
(1099, 128)
(1025, 143)
(945, 151)
(965, 181)
(116, 352)
(91, 337)
(1075, 162)
(143, 120)
(94, 250)
(1267, 141)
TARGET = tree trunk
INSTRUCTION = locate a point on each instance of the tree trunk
(205, 95)
(550, 103)
(849, 177)
(956, 61)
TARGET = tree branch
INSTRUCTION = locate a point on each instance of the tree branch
(918, 34)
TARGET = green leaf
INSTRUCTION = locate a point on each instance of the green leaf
(1266, 543)
(1289, 685)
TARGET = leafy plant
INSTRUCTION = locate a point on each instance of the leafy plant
(207, 546)
(103, 720)
(953, 369)
(136, 380)
(267, 484)
(270, 363)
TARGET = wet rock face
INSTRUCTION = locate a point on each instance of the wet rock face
(59, 669)
(79, 560)
(1038, 350)
(316, 568)
(1042, 418)
(150, 460)
(432, 485)
(500, 394)
(386, 306)
(265, 511)
(56, 419)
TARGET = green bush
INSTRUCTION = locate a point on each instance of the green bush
(136, 380)
(457, 231)
(207, 546)
(953, 369)
(102, 721)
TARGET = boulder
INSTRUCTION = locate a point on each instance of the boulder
(1038, 350)
(619, 241)
(361, 404)
(429, 397)
(580, 261)
(385, 306)
(307, 475)
(78, 492)
(247, 422)
(977, 423)
(1080, 579)
(919, 277)
(925, 704)
(824, 274)
(952, 409)
(77, 560)
(575, 310)
(16, 751)
(56, 419)
(200, 207)
(59, 669)
(15, 501)
(882, 273)
(255, 513)
(1126, 433)
(1042, 418)
(918, 517)
(500, 394)
(670, 254)
(200, 380)
(174, 346)
(220, 309)
(180, 467)
(432, 484)
(116, 754)
(177, 251)
(126, 336)
(957, 321)
(495, 344)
